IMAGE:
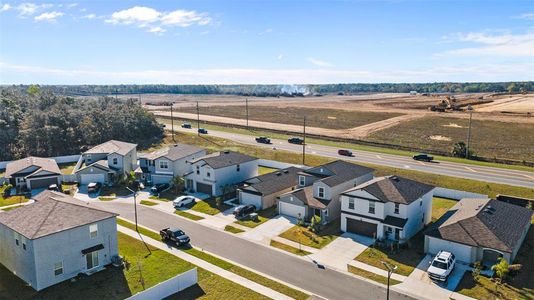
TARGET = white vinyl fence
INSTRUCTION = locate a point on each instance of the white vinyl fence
(169, 287)
(58, 159)
(456, 194)
(278, 165)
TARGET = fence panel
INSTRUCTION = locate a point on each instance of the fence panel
(169, 287)
(456, 194)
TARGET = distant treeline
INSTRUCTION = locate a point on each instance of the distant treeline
(290, 90)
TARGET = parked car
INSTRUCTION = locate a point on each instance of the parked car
(94, 187)
(344, 152)
(263, 140)
(203, 131)
(423, 157)
(54, 187)
(441, 266)
(182, 201)
(160, 187)
(174, 235)
(186, 125)
(242, 211)
(295, 140)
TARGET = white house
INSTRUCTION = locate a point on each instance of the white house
(390, 207)
(211, 173)
(318, 190)
(56, 238)
(103, 163)
(480, 230)
(33, 172)
(162, 165)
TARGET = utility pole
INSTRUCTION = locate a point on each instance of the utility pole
(470, 109)
(246, 108)
(172, 125)
(135, 206)
(198, 120)
(304, 143)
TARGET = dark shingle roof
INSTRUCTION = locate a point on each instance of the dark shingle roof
(483, 223)
(223, 159)
(395, 221)
(112, 146)
(270, 183)
(51, 213)
(174, 152)
(394, 189)
(338, 171)
(45, 164)
(306, 195)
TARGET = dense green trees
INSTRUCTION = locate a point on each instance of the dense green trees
(38, 122)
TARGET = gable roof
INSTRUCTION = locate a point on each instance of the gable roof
(223, 159)
(270, 183)
(43, 164)
(394, 189)
(306, 196)
(100, 164)
(338, 172)
(174, 152)
(112, 146)
(483, 223)
(52, 212)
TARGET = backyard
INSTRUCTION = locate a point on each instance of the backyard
(305, 236)
(67, 168)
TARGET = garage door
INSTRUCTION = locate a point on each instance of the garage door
(247, 198)
(88, 178)
(42, 182)
(462, 252)
(291, 210)
(361, 227)
(204, 188)
(161, 179)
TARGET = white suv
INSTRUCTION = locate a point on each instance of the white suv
(441, 266)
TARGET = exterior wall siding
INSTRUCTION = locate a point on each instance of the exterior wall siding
(15, 258)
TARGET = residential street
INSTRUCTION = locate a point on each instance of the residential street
(329, 284)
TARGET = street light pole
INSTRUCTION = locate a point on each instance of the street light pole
(246, 107)
(172, 124)
(390, 268)
(304, 143)
(135, 207)
(470, 109)
(198, 120)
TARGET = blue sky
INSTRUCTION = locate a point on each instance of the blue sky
(215, 41)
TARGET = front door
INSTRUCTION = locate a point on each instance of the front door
(92, 259)
(397, 234)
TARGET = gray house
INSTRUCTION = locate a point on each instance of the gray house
(56, 238)
(319, 188)
(33, 172)
(104, 162)
(162, 165)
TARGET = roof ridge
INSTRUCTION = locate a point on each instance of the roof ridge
(44, 219)
(78, 204)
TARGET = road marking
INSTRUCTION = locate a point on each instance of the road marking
(421, 163)
(407, 167)
(313, 152)
(470, 169)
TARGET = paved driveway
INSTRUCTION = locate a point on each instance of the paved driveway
(266, 231)
(84, 196)
(342, 250)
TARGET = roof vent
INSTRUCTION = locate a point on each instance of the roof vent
(321, 170)
(226, 151)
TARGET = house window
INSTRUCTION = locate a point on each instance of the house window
(325, 212)
(321, 192)
(198, 170)
(58, 268)
(88, 157)
(17, 237)
(208, 174)
(397, 208)
(92, 260)
(302, 180)
(238, 167)
(351, 203)
(93, 230)
(115, 161)
(23, 239)
(371, 207)
(163, 165)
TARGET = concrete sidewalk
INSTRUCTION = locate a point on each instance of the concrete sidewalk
(207, 266)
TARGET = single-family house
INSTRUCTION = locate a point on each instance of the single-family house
(162, 165)
(56, 238)
(103, 163)
(389, 207)
(213, 172)
(262, 191)
(33, 172)
(480, 230)
(318, 190)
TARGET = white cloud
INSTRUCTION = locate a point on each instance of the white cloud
(89, 16)
(527, 16)
(492, 45)
(48, 16)
(156, 30)
(318, 62)
(280, 57)
(266, 31)
(72, 5)
(142, 16)
(5, 7)
(27, 9)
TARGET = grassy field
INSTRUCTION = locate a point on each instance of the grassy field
(188, 215)
(148, 203)
(208, 206)
(265, 170)
(11, 199)
(66, 168)
(324, 118)
(440, 206)
(233, 229)
(371, 275)
(289, 249)
(263, 216)
(304, 236)
(488, 138)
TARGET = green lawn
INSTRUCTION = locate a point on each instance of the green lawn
(371, 275)
(106, 198)
(263, 216)
(71, 187)
(265, 170)
(440, 206)
(233, 229)
(188, 215)
(208, 206)
(114, 191)
(144, 231)
(306, 237)
(148, 203)
(11, 199)
(66, 168)
(289, 249)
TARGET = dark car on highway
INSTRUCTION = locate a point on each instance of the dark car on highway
(263, 140)
(244, 210)
(423, 157)
(158, 188)
(344, 152)
(295, 140)
(186, 125)
(203, 131)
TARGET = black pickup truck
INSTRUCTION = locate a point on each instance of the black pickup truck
(263, 140)
(174, 235)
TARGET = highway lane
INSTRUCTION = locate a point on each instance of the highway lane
(329, 284)
(481, 173)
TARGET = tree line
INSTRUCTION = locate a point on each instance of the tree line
(270, 90)
(40, 122)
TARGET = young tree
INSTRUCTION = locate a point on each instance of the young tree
(179, 184)
(501, 269)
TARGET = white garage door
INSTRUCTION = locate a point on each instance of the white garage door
(462, 252)
(291, 210)
(88, 178)
(156, 179)
(247, 198)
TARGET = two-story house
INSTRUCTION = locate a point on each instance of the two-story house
(318, 190)
(390, 207)
(103, 163)
(212, 173)
(55, 239)
(33, 172)
(162, 165)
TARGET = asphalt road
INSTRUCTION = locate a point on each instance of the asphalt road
(481, 173)
(326, 283)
